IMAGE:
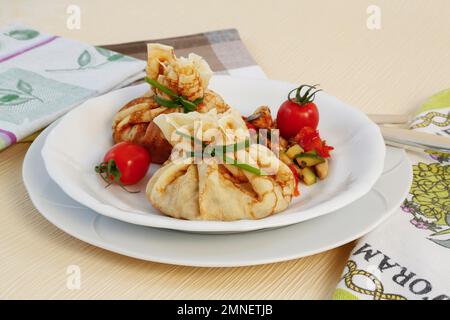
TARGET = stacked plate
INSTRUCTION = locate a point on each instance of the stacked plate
(365, 185)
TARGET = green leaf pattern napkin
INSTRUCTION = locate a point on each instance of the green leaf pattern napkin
(43, 76)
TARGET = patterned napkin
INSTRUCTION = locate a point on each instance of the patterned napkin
(408, 257)
(44, 76)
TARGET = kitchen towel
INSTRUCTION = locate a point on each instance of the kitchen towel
(408, 256)
(43, 76)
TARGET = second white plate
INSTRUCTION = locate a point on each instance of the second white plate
(250, 248)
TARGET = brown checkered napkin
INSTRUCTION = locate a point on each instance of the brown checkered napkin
(222, 49)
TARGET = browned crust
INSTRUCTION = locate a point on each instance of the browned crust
(138, 129)
(144, 133)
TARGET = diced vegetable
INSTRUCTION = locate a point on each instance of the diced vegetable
(309, 139)
(308, 160)
(294, 150)
(322, 170)
(314, 152)
(285, 158)
(308, 176)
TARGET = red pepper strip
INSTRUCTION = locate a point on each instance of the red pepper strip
(294, 172)
(309, 139)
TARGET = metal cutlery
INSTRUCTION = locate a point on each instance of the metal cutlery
(409, 139)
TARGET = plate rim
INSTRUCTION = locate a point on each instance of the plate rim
(102, 243)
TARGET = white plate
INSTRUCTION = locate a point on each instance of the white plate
(251, 248)
(80, 139)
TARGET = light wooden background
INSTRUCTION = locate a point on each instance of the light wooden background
(391, 70)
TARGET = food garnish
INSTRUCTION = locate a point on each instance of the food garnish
(243, 166)
(298, 112)
(284, 157)
(221, 150)
(322, 169)
(124, 164)
(176, 101)
(308, 159)
(309, 139)
(308, 176)
(295, 173)
(300, 145)
(294, 150)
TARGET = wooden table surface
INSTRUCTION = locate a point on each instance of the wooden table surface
(390, 70)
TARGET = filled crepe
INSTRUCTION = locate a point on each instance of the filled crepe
(250, 182)
(186, 78)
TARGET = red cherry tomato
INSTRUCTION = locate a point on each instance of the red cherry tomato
(299, 112)
(125, 163)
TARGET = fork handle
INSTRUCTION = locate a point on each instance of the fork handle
(416, 139)
(390, 118)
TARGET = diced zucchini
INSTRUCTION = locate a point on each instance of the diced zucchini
(294, 150)
(308, 176)
(314, 152)
(285, 158)
(308, 160)
(322, 169)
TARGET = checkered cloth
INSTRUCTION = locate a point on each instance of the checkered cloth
(222, 49)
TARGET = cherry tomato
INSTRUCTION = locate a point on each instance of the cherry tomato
(299, 112)
(125, 163)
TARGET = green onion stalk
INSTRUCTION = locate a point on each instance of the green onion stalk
(175, 100)
(220, 151)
